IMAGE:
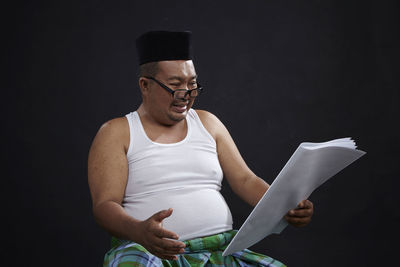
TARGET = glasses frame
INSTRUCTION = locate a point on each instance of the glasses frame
(172, 92)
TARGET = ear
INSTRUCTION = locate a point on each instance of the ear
(144, 85)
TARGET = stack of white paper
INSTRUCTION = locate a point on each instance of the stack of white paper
(310, 165)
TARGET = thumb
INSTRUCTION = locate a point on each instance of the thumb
(161, 215)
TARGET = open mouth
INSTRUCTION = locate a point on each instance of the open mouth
(179, 107)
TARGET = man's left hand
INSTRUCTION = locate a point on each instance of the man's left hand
(300, 216)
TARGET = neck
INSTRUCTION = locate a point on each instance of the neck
(154, 119)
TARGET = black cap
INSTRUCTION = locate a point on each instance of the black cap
(164, 45)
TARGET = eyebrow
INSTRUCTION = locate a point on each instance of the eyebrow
(180, 78)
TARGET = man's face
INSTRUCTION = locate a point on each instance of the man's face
(177, 74)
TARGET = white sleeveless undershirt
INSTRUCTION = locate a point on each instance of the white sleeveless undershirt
(185, 176)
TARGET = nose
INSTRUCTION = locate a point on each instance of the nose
(185, 98)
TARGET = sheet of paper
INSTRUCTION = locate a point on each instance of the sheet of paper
(311, 165)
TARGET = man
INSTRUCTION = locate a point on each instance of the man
(155, 174)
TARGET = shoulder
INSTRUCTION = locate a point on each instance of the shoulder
(211, 122)
(115, 127)
(114, 132)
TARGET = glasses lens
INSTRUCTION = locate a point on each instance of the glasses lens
(194, 93)
(179, 94)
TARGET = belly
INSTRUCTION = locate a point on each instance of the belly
(197, 212)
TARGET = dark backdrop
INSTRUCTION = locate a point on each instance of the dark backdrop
(277, 73)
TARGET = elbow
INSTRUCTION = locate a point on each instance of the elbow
(102, 210)
(96, 212)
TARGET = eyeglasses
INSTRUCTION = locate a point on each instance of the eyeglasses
(180, 93)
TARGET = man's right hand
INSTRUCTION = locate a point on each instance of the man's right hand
(157, 240)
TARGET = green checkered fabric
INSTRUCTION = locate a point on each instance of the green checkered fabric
(204, 251)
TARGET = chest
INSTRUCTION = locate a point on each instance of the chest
(166, 135)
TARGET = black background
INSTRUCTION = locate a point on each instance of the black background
(277, 73)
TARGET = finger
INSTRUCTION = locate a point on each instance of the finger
(169, 244)
(161, 215)
(300, 205)
(173, 251)
(300, 213)
(164, 233)
(298, 221)
(172, 243)
(305, 204)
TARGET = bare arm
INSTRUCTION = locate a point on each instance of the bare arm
(108, 174)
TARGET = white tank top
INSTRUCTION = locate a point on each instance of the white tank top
(185, 176)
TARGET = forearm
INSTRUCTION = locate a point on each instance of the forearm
(113, 218)
(252, 189)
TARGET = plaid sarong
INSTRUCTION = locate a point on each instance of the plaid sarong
(203, 251)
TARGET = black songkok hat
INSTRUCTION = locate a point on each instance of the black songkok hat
(164, 45)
